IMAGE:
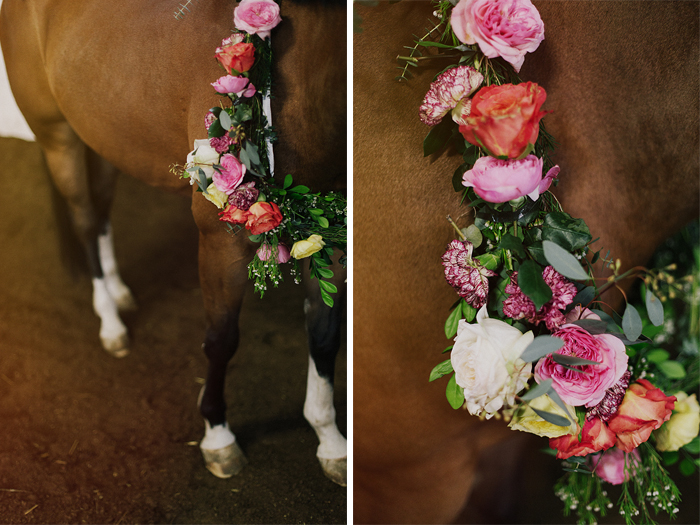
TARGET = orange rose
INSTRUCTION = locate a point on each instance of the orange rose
(596, 436)
(505, 119)
(237, 57)
(234, 215)
(643, 409)
(262, 217)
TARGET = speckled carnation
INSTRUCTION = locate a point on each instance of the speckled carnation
(244, 196)
(220, 144)
(613, 397)
(450, 91)
(465, 274)
(520, 306)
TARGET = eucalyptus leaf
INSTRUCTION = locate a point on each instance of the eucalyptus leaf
(244, 158)
(252, 151)
(532, 284)
(454, 393)
(584, 297)
(440, 370)
(563, 262)
(569, 360)
(225, 120)
(473, 235)
(631, 323)
(554, 419)
(537, 390)
(541, 346)
(592, 326)
(203, 182)
(655, 309)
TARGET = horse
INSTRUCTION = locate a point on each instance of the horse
(108, 89)
(622, 85)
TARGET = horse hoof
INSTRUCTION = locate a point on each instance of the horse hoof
(336, 470)
(116, 347)
(225, 462)
(126, 302)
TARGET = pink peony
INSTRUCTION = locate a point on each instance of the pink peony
(256, 17)
(615, 465)
(584, 384)
(265, 252)
(520, 306)
(505, 28)
(496, 180)
(230, 176)
(465, 274)
(234, 84)
(450, 91)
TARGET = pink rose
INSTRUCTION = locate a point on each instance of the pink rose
(450, 92)
(505, 119)
(496, 180)
(502, 28)
(614, 465)
(230, 176)
(643, 409)
(233, 84)
(265, 252)
(256, 17)
(587, 386)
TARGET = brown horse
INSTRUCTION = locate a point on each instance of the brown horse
(622, 82)
(125, 87)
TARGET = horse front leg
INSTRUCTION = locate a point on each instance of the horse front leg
(323, 326)
(223, 274)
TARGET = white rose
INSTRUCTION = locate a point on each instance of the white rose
(487, 364)
(683, 426)
(203, 156)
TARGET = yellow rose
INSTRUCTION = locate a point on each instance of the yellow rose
(219, 198)
(683, 426)
(526, 420)
(307, 247)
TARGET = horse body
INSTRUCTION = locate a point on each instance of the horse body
(626, 119)
(125, 87)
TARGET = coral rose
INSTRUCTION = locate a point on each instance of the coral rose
(505, 28)
(234, 215)
(643, 409)
(584, 384)
(505, 119)
(683, 426)
(487, 364)
(595, 436)
(496, 180)
(238, 57)
(262, 217)
(257, 17)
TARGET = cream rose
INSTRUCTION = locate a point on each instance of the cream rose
(487, 364)
(307, 247)
(683, 426)
(526, 420)
(216, 196)
(203, 156)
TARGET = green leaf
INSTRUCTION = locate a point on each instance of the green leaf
(554, 419)
(512, 243)
(299, 189)
(657, 356)
(452, 322)
(255, 238)
(672, 369)
(488, 261)
(568, 360)
(541, 346)
(670, 458)
(687, 467)
(287, 181)
(326, 297)
(315, 211)
(244, 158)
(454, 393)
(468, 311)
(325, 272)
(252, 151)
(473, 235)
(532, 284)
(655, 309)
(592, 326)
(694, 446)
(569, 233)
(537, 390)
(225, 120)
(631, 323)
(329, 287)
(563, 262)
(438, 136)
(440, 370)
(537, 252)
(322, 222)
(448, 349)
(216, 130)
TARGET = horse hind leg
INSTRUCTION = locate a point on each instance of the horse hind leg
(67, 159)
(323, 325)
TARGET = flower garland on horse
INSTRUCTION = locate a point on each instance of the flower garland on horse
(239, 143)
(531, 343)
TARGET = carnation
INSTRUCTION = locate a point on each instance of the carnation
(450, 91)
(466, 274)
(244, 196)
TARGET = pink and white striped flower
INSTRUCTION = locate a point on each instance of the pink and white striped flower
(465, 274)
(450, 92)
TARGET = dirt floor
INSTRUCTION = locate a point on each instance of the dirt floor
(86, 438)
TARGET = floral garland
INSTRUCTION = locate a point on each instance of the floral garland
(529, 343)
(239, 143)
